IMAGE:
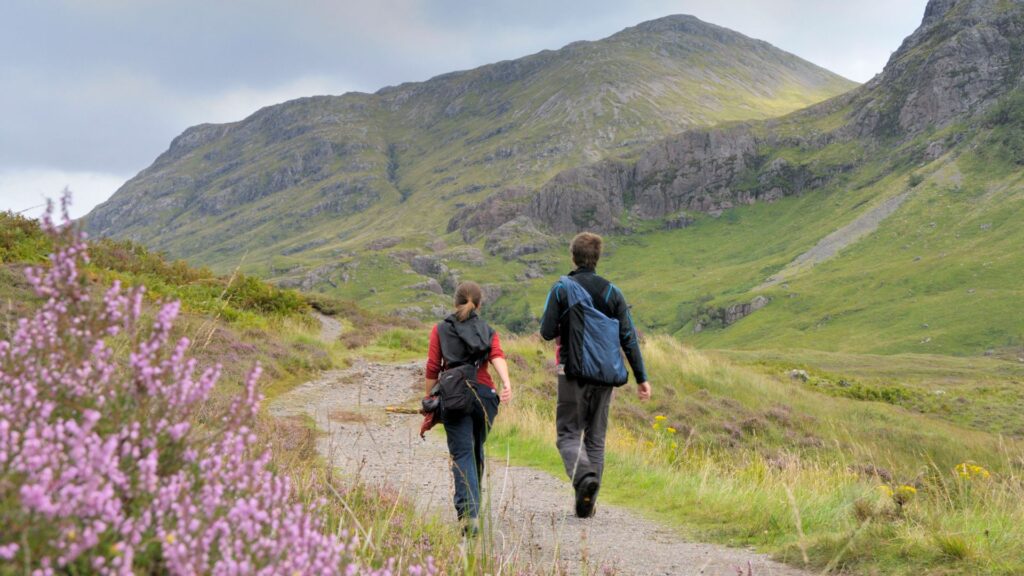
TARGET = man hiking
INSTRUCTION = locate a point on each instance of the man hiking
(591, 320)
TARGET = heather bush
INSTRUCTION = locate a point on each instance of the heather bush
(235, 297)
(21, 240)
(132, 258)
(103, 467)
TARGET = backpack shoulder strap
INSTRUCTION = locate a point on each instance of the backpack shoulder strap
(440, 344)
(575, 292)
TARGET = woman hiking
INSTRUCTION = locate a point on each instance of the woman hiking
(464, 342)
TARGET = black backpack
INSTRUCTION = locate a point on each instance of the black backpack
(465, 346)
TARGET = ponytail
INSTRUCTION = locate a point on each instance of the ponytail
(467, 299)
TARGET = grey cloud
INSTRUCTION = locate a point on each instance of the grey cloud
(103, 85)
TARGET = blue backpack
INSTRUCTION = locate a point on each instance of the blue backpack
(592, 352)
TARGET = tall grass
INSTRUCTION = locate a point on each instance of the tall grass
(834, 484)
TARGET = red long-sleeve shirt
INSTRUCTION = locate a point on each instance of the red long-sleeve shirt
(434, 358)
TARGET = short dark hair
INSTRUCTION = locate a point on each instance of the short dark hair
(586, 249)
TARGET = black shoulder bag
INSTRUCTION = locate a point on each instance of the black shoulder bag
(456, 387)
(464, 346)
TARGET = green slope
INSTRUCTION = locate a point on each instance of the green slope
(303, 182)
(935, 138)
(940, 275)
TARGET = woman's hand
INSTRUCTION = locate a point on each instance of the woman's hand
(501, 366)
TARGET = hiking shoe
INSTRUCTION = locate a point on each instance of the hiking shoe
(470, 528)
(586, 495)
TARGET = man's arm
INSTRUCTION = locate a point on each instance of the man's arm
(552, 312)
(627, 336)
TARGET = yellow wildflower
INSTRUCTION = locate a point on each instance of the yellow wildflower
(169, 538)
(675, 445)
(971, 471)
(72, 535)
(671, 430)
(885, 490)
(660, 418)
(904, 494)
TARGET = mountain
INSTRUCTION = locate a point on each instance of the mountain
(313, 179)
(883, 220)
(962, 59)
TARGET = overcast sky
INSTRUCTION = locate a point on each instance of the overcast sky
(92, 91)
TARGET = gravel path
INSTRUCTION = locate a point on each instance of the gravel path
(330, 329)
(532, 509)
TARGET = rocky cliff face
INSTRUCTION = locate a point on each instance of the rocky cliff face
(704, 171)
(697, 170)
(965, 55)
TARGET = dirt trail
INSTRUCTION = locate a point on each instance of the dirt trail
(531, 510)
(330, 328)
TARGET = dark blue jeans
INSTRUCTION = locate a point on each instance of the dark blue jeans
(466, 437)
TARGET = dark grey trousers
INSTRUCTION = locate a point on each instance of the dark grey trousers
(581, 421)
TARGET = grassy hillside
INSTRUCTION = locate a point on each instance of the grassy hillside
(939, 276)
(878, 222)
(851, 231)
(829, 482)
(310, 181)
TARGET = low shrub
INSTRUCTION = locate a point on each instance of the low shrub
(104, 467)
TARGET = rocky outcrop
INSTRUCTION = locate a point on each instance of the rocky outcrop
(697, 171)
(478, 219)
(431, 285)
(319, 275)
(491, 293)
(468, 254)
(192, 139)
(428, 266)
(587, 197)
(531, 272)
(677, 221)
(965, 54)
(435, 268)
(516, 238)
(344, 197)
(723, 316)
